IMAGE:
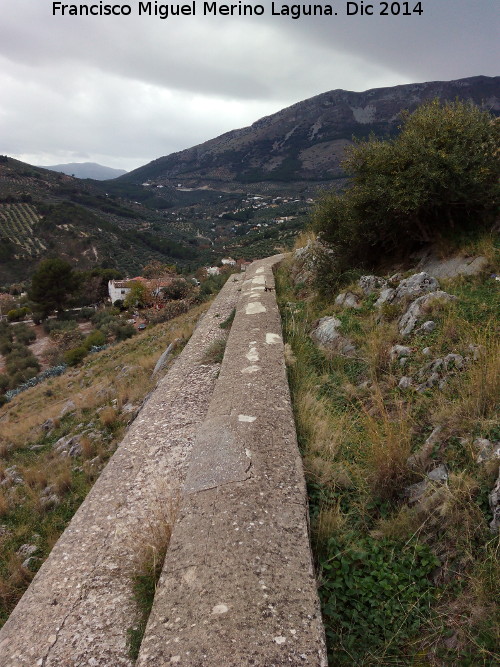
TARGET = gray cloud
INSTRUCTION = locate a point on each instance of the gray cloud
(126, 90)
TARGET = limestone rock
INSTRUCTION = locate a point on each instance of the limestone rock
(421, 457)
(487, 450)
(408, 321)
(415, 492)
(494, 499)
(347, 300)
(370, 284)
(69, 406)
(428, 327)
(405, 382)
(327, 334)
(26, 550)
(415, 286)
(48, 425)
(454, 266)
(306, 259)
(386, 296)
(68, 445)
(12, 477)
(398, 351)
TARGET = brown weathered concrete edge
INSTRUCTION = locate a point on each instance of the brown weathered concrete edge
(238, 586)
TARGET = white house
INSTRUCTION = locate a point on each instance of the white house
(229, 261)
(213, 271)
(117, 289)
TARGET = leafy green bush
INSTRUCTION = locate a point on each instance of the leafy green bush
(438, 176)
(124, 331)
(178, 289)
(17, 314)
(20, 360)
(95, 338)
(24, 334)
(4, 382)
(75, 356)
(59, 325)
(375, 596)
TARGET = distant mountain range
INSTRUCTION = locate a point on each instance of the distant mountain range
(190, 207)
(305, 143)
(87, 170)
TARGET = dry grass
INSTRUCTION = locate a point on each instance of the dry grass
(148, 563)
(105, 381)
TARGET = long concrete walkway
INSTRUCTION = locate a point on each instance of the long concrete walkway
(238, 585)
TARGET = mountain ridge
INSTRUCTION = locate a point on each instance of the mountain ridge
(92, 170)
(305, 142)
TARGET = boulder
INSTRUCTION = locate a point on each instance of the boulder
(398, 351)
(305, 261)
(415, 492)
(487, 450)
(347, 300)
(428, 327)
(415, 286)
(370, 284)
(326, 334)
(386, 296)
(405, 382)
(494, 499)
(415, 310)
(69, 406)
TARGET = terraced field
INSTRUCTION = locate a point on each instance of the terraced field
(16, 224)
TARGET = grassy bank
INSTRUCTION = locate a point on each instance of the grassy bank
(56, 438)
(400, 582)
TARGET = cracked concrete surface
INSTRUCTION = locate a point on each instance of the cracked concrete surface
(238, 586)
(79, 606)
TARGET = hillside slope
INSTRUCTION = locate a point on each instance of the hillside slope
(305, 142)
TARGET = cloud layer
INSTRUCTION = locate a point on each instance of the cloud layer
(125, 90)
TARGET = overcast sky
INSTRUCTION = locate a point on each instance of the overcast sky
(124, 90)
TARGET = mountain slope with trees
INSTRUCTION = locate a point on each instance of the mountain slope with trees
(304, 144)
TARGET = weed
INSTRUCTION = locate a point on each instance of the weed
(214, 354)
(147, 570)
(229, 320)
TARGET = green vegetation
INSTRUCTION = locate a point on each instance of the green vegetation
(42, 487)
(437, 177)
(400, 582)
(52, 285)
(20, 363)
(214, 354)
(404, 579)
(147, 571)
(226, 324)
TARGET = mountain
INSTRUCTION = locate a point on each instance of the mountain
(87, 170)
(304, 143)
(46, 214)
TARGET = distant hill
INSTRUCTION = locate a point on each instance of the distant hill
(46, 214)
(305, 143)
(87, 170)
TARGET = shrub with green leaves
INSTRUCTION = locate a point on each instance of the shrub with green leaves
(95, 339)
(439, 175)
(75, 356)
(375, 595)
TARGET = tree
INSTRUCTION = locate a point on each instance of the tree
(156, 269)
(52, 285)
(139, 295)
(439, 175)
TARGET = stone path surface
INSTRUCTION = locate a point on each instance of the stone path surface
(238, 585)
(79, 606)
